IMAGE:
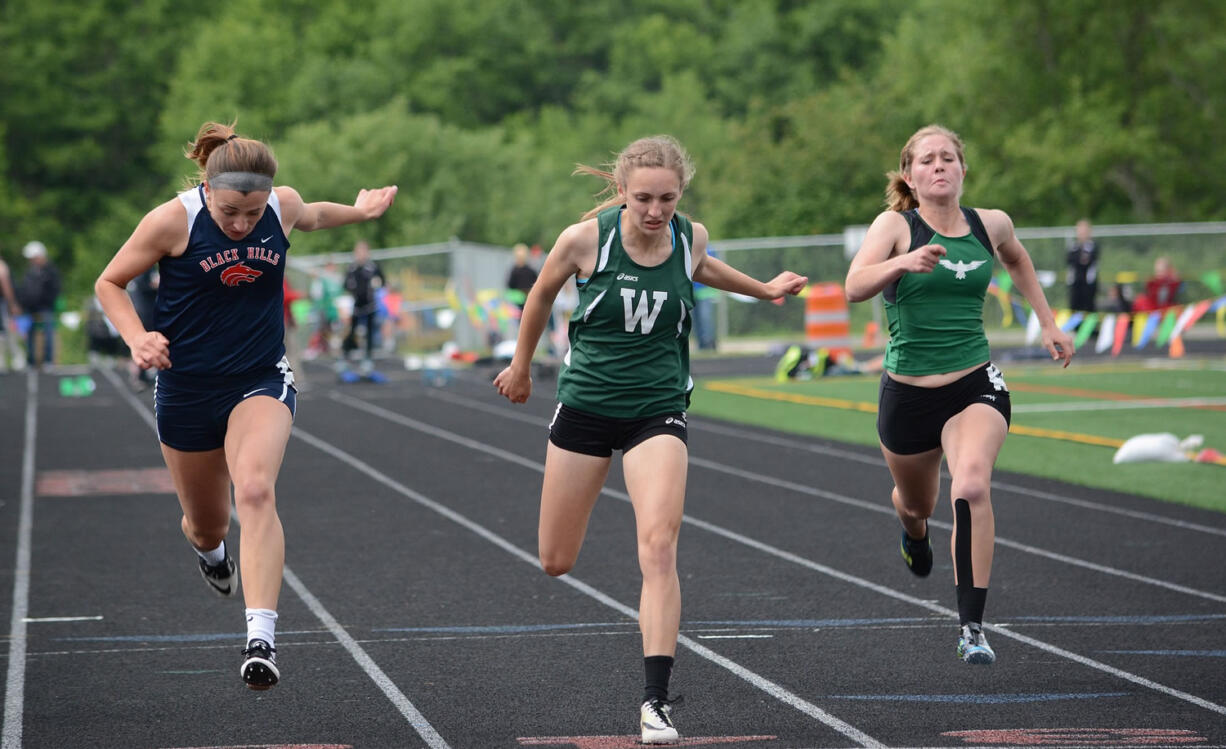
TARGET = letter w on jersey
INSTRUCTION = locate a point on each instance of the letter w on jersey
(638, 312)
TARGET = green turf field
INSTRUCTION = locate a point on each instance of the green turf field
(1067, 424)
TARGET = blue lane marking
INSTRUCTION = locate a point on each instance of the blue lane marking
(1191, 653)
(1122, 619)
(978, 699)
(206, 637)
(501, 629)
(799, 623)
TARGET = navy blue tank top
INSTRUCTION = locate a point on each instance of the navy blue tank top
(220, 303)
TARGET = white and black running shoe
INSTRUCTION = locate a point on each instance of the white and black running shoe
(259, 669)
(655, 718)
(221, 577)
(973, 646)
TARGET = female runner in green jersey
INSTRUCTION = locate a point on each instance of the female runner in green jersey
(931, 259)
(624, 385)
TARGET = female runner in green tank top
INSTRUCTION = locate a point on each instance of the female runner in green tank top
(625, 382)
(940, 395)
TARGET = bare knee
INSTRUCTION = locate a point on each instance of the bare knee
(975, 486)
(254, 495)
(658, 553)
(556, 565)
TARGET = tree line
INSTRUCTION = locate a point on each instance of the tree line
(480, 109)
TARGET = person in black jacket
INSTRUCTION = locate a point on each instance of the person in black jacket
(363, 281)
(40, 287)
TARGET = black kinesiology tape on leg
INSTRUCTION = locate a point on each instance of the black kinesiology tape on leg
(962, 544)
(971, 600)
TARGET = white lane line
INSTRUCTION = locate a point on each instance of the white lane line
(381, 679)
(878, 507)
(801, 561)
(796, 444)
(763, 684)
(1004, 485)
(42, 619)
(367, 664)
(1000, 540)
(15, 685)
(1039, 408)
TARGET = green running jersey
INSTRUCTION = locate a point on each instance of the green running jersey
(936, 319)
(629, 352)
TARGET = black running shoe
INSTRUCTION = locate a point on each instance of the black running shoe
(259, 669)
(221, 577)
(917, 554)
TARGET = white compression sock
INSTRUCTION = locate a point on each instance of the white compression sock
(261, 623)
(215, 556)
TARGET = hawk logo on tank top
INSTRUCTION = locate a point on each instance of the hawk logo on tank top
(240, 273)
(960, 268)
(636, 313)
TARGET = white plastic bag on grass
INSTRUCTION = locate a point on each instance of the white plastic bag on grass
(1164, 447)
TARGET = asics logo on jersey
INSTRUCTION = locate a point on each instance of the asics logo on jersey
(624, 277)
(960, 268)
(671, 420)
(236, 274)
(637, 313)
(989, 397)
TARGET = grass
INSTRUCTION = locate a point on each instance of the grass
(1053, 434)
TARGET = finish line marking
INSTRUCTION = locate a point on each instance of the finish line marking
(631, 742)
(90, 483)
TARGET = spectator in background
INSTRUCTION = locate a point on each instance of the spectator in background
(9, 310)
(1082, 279)
(293, 345)
(363, 281)
(325, 288)
(40, 288)
(522, 275)
(144, 292)
(1162, 289)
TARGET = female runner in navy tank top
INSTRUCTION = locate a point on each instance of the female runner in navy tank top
(224, 397)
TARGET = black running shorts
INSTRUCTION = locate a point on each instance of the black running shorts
(590, 434)
(910, 418)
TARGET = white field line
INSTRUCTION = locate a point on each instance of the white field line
(402, 703)
(765, 685)
(809, 564)
(873, 460)
(15, 684)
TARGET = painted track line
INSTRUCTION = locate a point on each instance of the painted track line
(15, 684)
(801, 561)
(880, 462)
(364, 661)
(874, 506)
(763, 684)
(796, 444)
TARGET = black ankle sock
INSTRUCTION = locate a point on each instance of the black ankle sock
(657, 669)
(971, 601)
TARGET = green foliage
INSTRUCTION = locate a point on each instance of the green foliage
(479, 110)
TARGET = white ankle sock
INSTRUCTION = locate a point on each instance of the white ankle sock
(261, 624)
(215, 556)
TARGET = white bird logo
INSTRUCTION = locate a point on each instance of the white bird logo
(960, 268)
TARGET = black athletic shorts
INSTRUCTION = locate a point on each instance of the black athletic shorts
(590, 434)
(910, 418)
